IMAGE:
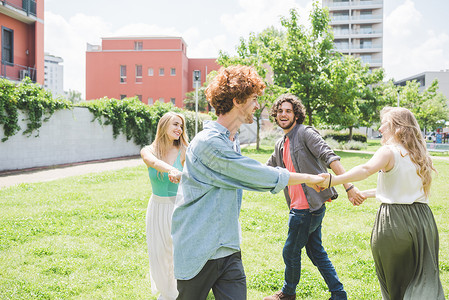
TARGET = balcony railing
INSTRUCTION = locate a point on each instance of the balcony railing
(28, 6)
(354, 3)
(366, 31)
(367, 46)
(366, 2)
(338, 18)
(333, 4)
(16, 72)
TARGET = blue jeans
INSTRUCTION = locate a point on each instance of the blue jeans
(304, 229)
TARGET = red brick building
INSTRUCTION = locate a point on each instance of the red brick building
(152, 68)
(22, 39)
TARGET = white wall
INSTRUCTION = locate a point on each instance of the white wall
(69, 136)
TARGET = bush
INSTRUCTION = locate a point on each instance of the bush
(137, 120)
(333, 143)
(354, 145)
(37, 104)
(344, 137)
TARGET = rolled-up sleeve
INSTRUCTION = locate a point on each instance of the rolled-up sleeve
(228, 169)
(319, 147)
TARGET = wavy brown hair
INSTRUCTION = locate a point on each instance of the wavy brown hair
(405, 130)
(298, 108)
(234, 82)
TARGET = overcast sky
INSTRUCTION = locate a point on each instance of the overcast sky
(416, 32)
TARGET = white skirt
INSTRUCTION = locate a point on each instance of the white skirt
(160, 246)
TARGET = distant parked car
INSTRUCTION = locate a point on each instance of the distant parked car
(431, 136)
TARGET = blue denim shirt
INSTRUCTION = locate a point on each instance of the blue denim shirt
(207, 208)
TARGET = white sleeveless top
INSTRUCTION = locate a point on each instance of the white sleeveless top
(400, 185)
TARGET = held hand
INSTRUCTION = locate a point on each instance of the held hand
(174, 175)
(313, 182)
(356, 197)
(325, 183)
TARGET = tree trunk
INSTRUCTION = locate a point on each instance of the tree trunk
(309, 116)
(258, 133)
(350, 133)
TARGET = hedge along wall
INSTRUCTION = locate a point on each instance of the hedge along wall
(69, 136)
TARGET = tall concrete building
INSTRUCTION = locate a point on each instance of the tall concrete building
(358, 28)
(54, 74)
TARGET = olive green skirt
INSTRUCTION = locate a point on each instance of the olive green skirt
(405, 246)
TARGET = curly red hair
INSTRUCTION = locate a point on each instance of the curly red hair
(234, 82)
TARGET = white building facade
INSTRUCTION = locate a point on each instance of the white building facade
(358, 28)
(425, 79)
(54, 74)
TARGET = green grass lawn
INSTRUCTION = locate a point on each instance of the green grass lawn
(84, 238)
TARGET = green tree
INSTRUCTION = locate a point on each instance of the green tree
(203, 105)
(349, 89)
(189, 101)
(253, 52)
(74, 96)
(299, 59)
(428, 106)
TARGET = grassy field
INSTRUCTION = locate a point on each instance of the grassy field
(84, 238)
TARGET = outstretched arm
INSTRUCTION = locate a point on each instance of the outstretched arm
(383, 159)
(152, 161)
(354, 195)
(309, 179)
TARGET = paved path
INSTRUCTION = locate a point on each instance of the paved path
(46, 174)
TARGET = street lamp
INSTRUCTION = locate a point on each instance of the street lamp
(196, 80)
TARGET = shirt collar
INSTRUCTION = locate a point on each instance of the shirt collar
(291, 132)
(214, 125)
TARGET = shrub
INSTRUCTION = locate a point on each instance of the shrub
(344, 137)
(37, 104)
(354, 145)
(137, 120)
(333, 143)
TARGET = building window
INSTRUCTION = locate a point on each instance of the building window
(150, 101)
(161, 100)
(150, 72)
(138, 46)
(173, 71)
(366, 58)
(122, 74)
(122, 97)
(138, 73)
(161, 71)
(139, 97)
(173, 100)
(366, 14)
(7, 45)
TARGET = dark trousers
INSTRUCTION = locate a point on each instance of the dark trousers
(304, 230)
(225, 276)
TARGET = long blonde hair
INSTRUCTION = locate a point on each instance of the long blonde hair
(162, 142)
(405, 130)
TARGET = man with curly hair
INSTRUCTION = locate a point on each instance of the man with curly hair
(205, 228)
(302, 149)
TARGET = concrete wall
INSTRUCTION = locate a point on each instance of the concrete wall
(68, 137)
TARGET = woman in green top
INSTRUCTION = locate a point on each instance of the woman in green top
(164, 158)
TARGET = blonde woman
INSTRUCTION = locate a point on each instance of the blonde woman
(404, 240)
(165, 158)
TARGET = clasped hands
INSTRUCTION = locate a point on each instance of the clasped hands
(323, 184)
(354, 195)
(174, 175)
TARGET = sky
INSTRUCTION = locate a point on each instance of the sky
(416, 32)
